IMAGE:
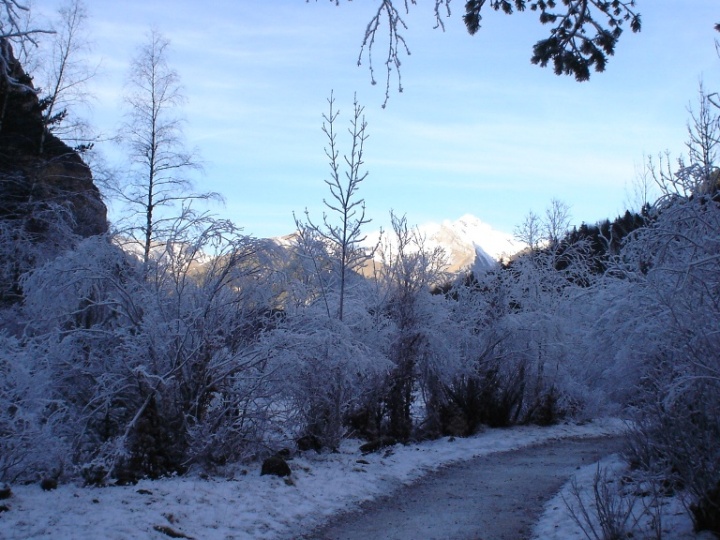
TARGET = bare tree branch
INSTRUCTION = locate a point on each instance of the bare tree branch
(584, 33)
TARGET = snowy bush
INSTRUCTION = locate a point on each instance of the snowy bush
(140, 351)
(524, 341)
(418, 334)
(677, 258)
(325, 368)
(608, 515)
(40, 233)
(31, 445)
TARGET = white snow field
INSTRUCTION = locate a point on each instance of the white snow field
(244, 505)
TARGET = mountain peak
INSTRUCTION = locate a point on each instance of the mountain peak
(472, 233)
(468, 242)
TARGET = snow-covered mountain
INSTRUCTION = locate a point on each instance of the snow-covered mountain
(469, 242)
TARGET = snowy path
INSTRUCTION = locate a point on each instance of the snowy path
(494, 497)
(240, 504)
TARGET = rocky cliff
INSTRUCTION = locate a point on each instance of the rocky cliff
(32, 183)
(47, 199)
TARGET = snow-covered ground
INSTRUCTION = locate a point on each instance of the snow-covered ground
(557, 522)
(245, 505)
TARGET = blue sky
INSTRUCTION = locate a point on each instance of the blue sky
(478, 129)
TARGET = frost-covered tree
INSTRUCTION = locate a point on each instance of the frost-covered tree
(154, 365)
(157, 188)
(530, 231)
(546, 232)
(406, 271)
(326, 346)
(341, 230)
(557, 221)
(673, 264)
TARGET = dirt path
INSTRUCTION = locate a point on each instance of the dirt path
(496, 497)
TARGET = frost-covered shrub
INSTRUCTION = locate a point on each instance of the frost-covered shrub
(324, 369)
(137, 352)
(482, 400)
(706, 510)
(37, 233)
(153, 449)
(675, 263)
(607, 512)
(521, 344)
(241, 414)
(421, 354)
(408, 331)
(31, 443)
(82, 307)
(677, 441)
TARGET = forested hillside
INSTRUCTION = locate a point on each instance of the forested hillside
(174, 341)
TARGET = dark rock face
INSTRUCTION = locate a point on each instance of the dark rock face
(47, 199)
(31, 182)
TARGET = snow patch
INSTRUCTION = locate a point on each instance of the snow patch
(557, 523)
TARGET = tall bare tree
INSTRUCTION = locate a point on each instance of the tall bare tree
(159, 179)
(530, 231)
(66, 75)
(341, 229)
(557, 221)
